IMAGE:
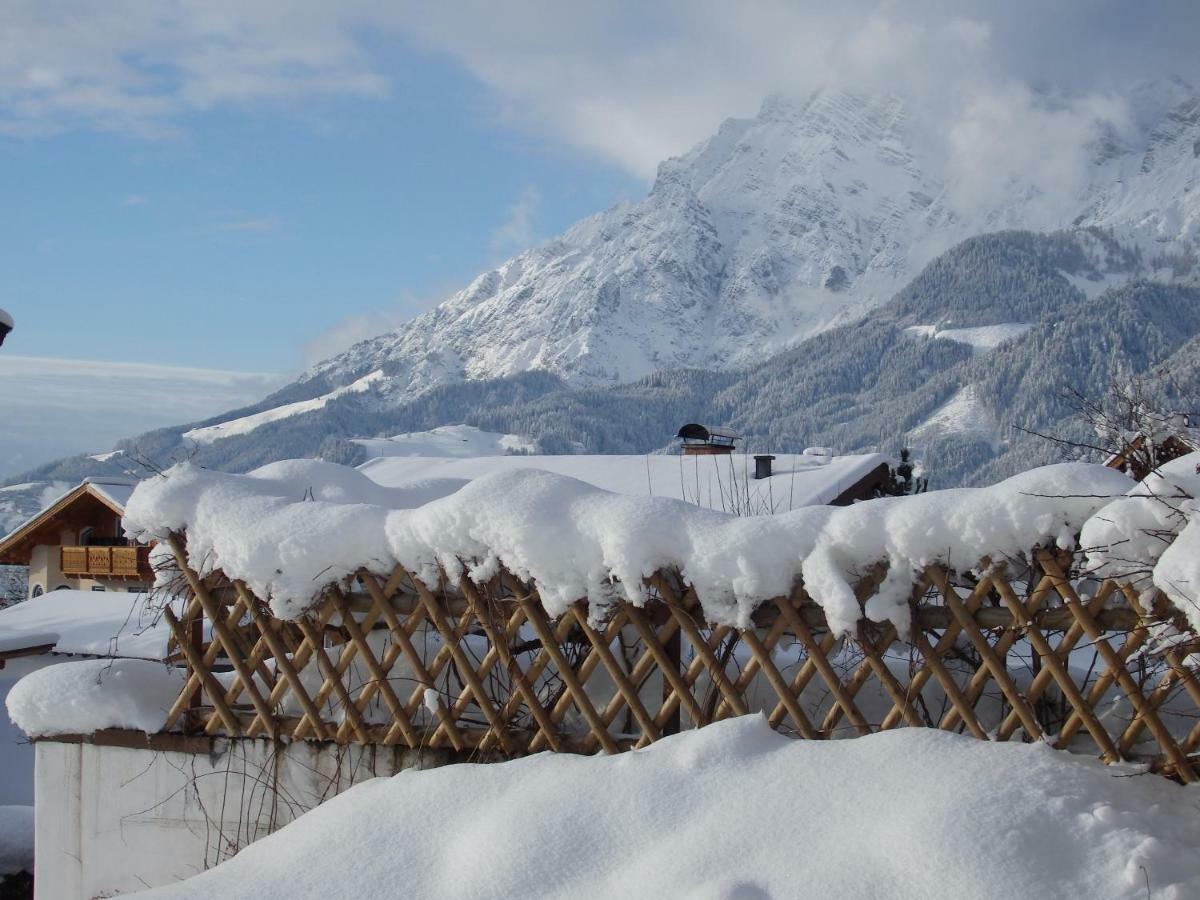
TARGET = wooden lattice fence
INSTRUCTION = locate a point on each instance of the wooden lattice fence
(1024, 651)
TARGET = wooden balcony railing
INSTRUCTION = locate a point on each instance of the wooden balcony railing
(115, 562)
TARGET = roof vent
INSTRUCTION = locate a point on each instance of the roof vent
(762, 466)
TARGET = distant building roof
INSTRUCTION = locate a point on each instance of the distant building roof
(115, 490)
(797, 480)
(707, 433)
(86, 623)
(1134, 459)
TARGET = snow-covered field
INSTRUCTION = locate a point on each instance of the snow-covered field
(962, 414)
(72, 623)
(737, 811)
(982, 337)
(84, 696)
(733, 810)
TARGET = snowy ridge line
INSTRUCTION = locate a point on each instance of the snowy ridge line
(291, 530)
(246, 424)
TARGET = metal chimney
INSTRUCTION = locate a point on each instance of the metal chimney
(762, 466)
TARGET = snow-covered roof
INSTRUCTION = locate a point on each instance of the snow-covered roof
(291, 529)
(114, 490)
(87, 623)
(716, 482)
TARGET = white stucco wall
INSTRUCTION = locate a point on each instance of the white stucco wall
(114, 820)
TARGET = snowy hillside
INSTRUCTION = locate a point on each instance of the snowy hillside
(246, 424)
(20, 501)
(769, 231)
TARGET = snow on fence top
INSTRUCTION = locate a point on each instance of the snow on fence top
(290, 529)
(1154, 529)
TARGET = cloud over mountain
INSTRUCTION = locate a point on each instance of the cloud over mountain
(631, 82)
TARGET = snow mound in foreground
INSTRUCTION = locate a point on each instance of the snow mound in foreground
(736, 810)
(87, 696)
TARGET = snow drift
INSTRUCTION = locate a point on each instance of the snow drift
(736, 810)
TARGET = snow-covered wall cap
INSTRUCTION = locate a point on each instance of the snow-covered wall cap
(290, 529)
(86, 696)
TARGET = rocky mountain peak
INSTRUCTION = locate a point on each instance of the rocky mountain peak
(778, 226)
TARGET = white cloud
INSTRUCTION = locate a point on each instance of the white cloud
(261, 224)
(351, 329)
(636, 82)
(632, 82)
(518, 230)
(135, 66)
(1010, 132)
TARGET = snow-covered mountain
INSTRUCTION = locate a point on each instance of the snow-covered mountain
(773, 229)
(778, 231)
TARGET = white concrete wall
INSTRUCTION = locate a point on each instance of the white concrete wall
(114, 820)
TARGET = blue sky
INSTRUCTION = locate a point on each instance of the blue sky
(239, 240)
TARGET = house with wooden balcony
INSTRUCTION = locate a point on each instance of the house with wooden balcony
(77, 543)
